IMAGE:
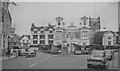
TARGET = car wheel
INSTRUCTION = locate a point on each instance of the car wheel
(89, 65)
(111, 58)
(104, 67)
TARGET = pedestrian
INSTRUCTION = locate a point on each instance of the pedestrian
(8, 53)
(16, 53)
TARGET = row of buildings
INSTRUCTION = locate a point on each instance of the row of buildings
(55, 34)
(82, 34)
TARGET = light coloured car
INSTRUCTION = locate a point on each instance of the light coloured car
(97, 58)
(77, 52)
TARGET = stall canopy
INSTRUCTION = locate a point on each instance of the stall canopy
(15, 47)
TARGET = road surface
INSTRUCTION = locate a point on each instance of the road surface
(48, 61)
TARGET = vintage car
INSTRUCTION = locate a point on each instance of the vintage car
(31, 53)
(22, 52)
(54, 50)
(86, 50)
(78, 50)
(97, 58)
(109, 54)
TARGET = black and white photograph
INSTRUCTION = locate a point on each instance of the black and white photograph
(59, 34)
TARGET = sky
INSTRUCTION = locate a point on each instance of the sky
(42, 13)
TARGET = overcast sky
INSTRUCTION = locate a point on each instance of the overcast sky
(42, 13)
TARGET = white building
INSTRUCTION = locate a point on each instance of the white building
(43, 35)
(56, 34)
(25, 41)
(72, 34)
(108, 38)
(85, 31)
(59, 35)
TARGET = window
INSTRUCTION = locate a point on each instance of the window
(35, 36)
(42, 36)
(23, 40)
(84, 22)
(42, 31)
(27, 40)
(35, 31)
(26, 44)
(50, 31)
(109, 42)
(50, 36)
(50, 41)
(35, 42)
(23, 44)
(42, 41)
(109, 37)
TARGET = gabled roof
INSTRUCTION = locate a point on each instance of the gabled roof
(42, 27)
(106, 32)
(28, 36)
(85, 27)
(84, 18)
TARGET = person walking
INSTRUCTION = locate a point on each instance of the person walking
(16, 53)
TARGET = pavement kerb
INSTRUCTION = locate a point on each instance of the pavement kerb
(4, 58)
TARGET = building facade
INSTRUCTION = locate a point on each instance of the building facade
(43, 35)
(85, 31)
(25, 41)
(108, 38)
(94, 23)
(56, 34)
(5, 25)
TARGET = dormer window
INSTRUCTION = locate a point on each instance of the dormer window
(50, 31)
(23, 40)
(35, 31)
(109, 37)
(42, 31)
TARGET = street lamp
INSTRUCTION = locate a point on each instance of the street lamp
(71, 36)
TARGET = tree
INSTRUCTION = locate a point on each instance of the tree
(98, 38)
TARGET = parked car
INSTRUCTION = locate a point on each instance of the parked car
(86, 50)
(78, 50)
(21, 52)
(54, 50)
(97, 58)
(30, 53)
(109, 54)
(114, 48)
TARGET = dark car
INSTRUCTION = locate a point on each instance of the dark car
(86, 50)
(54, 50)
(78, 50)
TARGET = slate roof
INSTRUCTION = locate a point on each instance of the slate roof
(42, 27)
(84, 18)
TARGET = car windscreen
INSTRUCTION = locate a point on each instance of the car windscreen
(78, 48)
(107, 51)
(97, 54)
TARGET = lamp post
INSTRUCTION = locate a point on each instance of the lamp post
(71, 40)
